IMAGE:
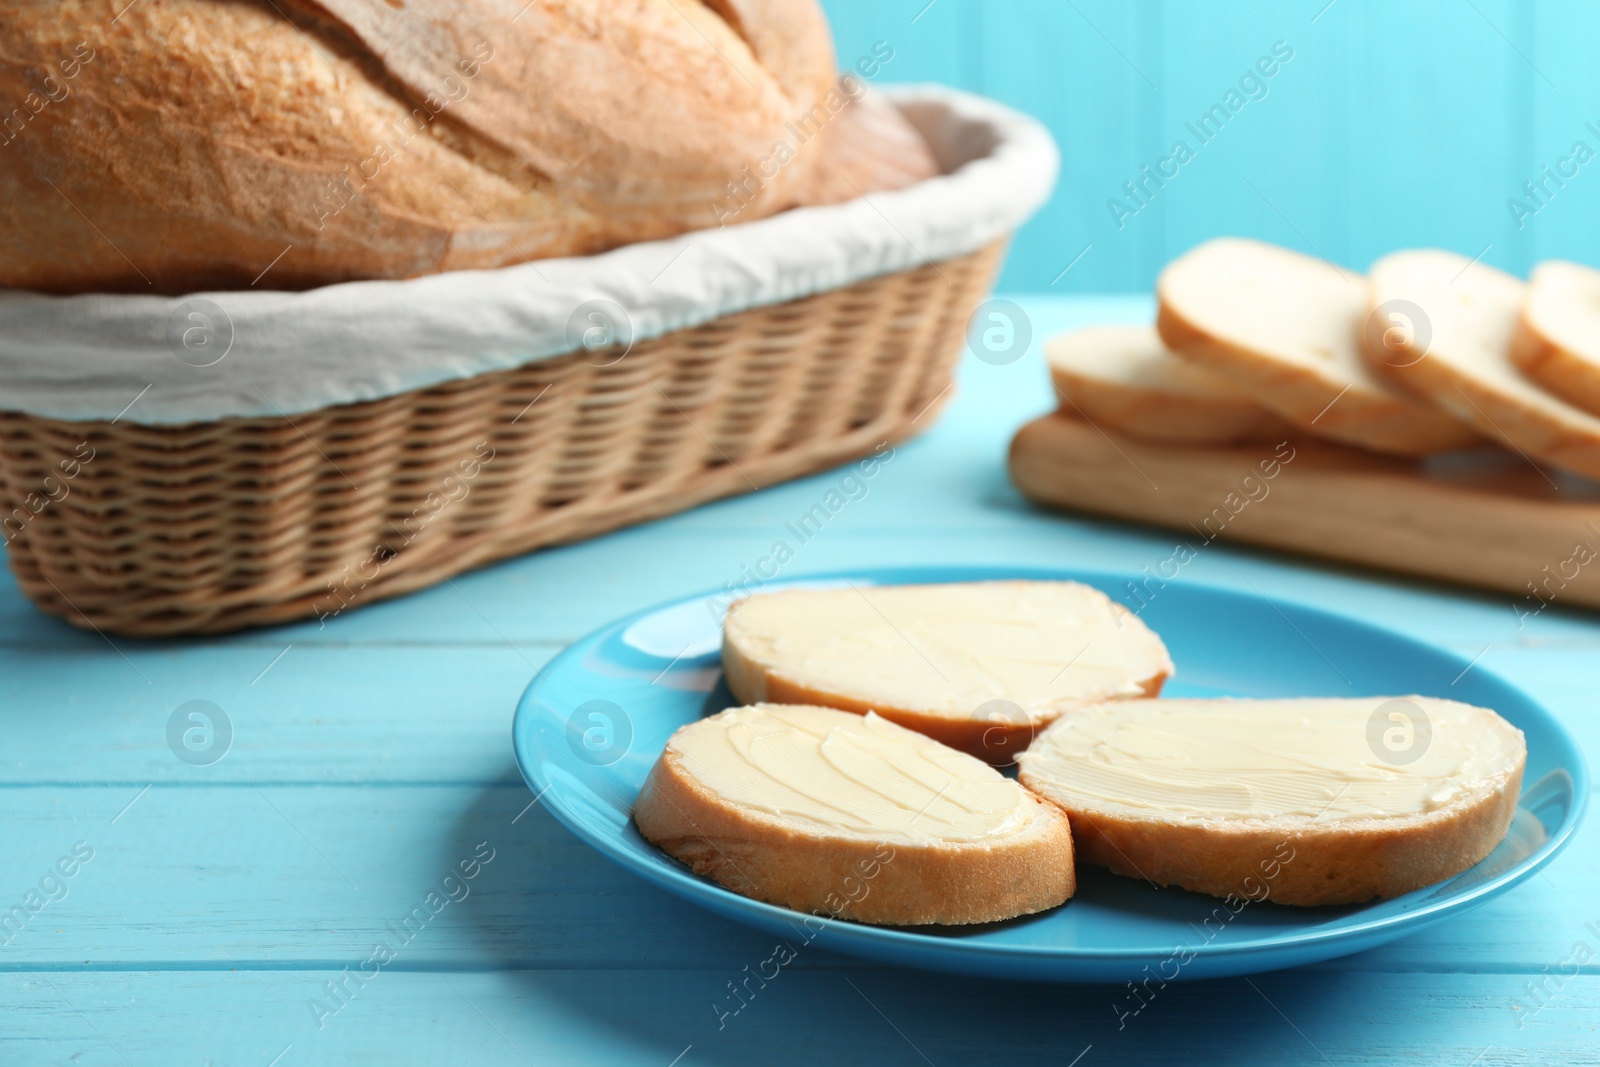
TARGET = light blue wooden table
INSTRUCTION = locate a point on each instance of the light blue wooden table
(213, 911)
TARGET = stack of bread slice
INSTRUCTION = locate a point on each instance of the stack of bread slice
(1430, 352)
(858, 779)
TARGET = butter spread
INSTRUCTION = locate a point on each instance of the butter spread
(948, 649)
(1315, 759)
(855, 774)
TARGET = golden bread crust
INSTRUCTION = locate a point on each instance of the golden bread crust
(194, 144)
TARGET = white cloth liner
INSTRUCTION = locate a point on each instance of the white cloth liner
(140, 358)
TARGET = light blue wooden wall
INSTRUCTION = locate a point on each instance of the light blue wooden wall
(1397, 122)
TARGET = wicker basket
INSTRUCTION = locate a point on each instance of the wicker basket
(214, 526)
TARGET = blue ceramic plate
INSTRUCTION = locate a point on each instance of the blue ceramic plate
(595, 719)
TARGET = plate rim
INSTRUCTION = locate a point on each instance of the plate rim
(691, 886)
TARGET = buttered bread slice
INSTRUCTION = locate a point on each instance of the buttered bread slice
(853, 817)
(980, 666)
(1305, 801)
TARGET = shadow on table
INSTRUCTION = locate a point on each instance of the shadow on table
(584, 939)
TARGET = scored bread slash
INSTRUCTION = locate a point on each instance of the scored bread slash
(853, 817)
(1458, 354)
(1124, 377)
(1286, 328)
(1557, 341)
(1301, 801)
(980, 666)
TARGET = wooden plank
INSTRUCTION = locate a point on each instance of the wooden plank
(291, 876)
(1310, 1016)
(306, 876)
(439, 715)
(302, 713)
(1485, 520)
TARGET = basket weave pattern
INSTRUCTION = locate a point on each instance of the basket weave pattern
(240, 522)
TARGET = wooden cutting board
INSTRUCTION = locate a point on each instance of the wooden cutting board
(1487, 519)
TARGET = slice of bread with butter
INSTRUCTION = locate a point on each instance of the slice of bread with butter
(1300, 801)
(839, 798)
(853, 817)
(981, 666)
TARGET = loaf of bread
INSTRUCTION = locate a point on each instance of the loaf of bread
(853, 817)
(1124, 378)
(191, 144)
(1459, 356)
(1287, 329)
(1305, 801)
(980, 666)
(1557, 342)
